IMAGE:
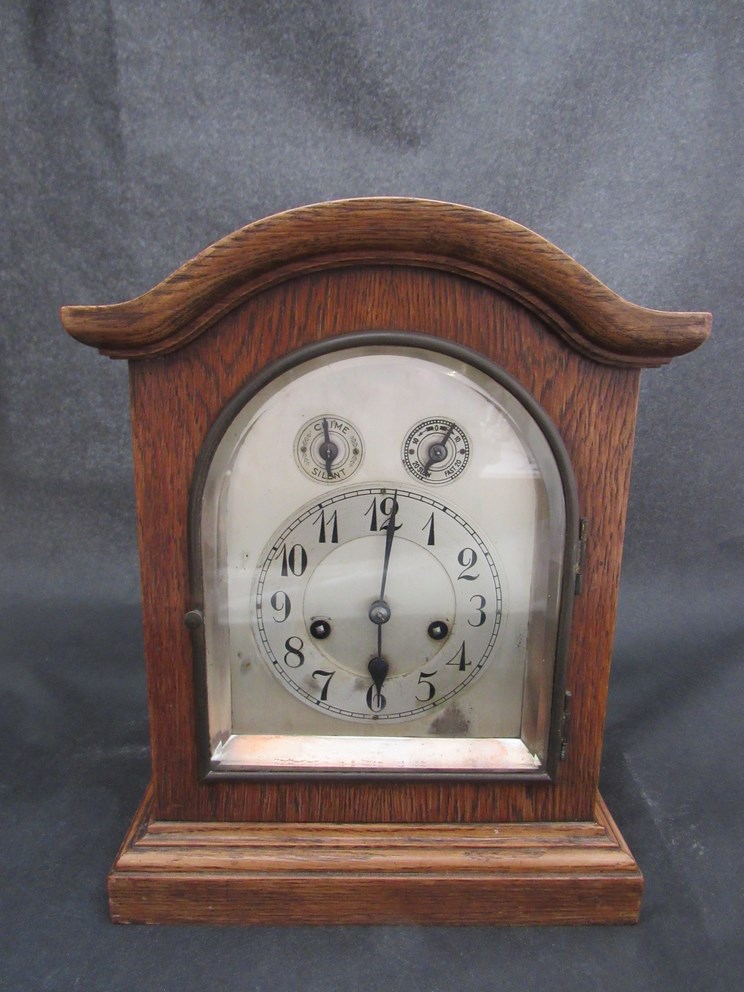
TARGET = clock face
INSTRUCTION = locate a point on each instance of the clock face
(383, 533)
(362, 598)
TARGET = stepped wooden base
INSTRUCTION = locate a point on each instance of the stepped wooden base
(269, 873)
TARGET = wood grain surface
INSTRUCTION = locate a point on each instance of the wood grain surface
(387, 231)
(383, 850)
(176, 397)
(564, 873)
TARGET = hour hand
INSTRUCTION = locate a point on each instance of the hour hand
(378, 669)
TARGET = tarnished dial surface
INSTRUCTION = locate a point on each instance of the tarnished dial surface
(377, 604)
(329, 449)
(436, 451)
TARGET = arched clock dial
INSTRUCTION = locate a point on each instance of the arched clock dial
(383, 533)
(378, 604)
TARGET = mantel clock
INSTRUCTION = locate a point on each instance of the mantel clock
(382, 452)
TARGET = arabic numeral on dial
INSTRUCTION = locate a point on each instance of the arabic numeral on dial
(375, 700)
(467, 558)
(294, 560)
(293, 657)
(328, 532)
(327, 676)
(430, 539)
(480, 602)
(459, 659)
(427, 686)
(380, 512)
(281, 605)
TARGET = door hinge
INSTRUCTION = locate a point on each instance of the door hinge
(565, 724)
(580, 556)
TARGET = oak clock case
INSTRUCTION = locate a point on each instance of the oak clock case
(382, 590)
(382, 454)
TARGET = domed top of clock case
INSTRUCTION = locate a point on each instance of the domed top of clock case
(428, 233)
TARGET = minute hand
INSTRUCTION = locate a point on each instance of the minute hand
(390, 530)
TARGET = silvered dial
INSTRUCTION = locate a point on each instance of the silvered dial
(377, 604)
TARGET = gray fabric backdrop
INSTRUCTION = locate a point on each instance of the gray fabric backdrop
(134, 134)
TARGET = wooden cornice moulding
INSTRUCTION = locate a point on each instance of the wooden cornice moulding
(389, 231)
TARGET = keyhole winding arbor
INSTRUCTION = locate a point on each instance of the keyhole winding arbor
(446, 773)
